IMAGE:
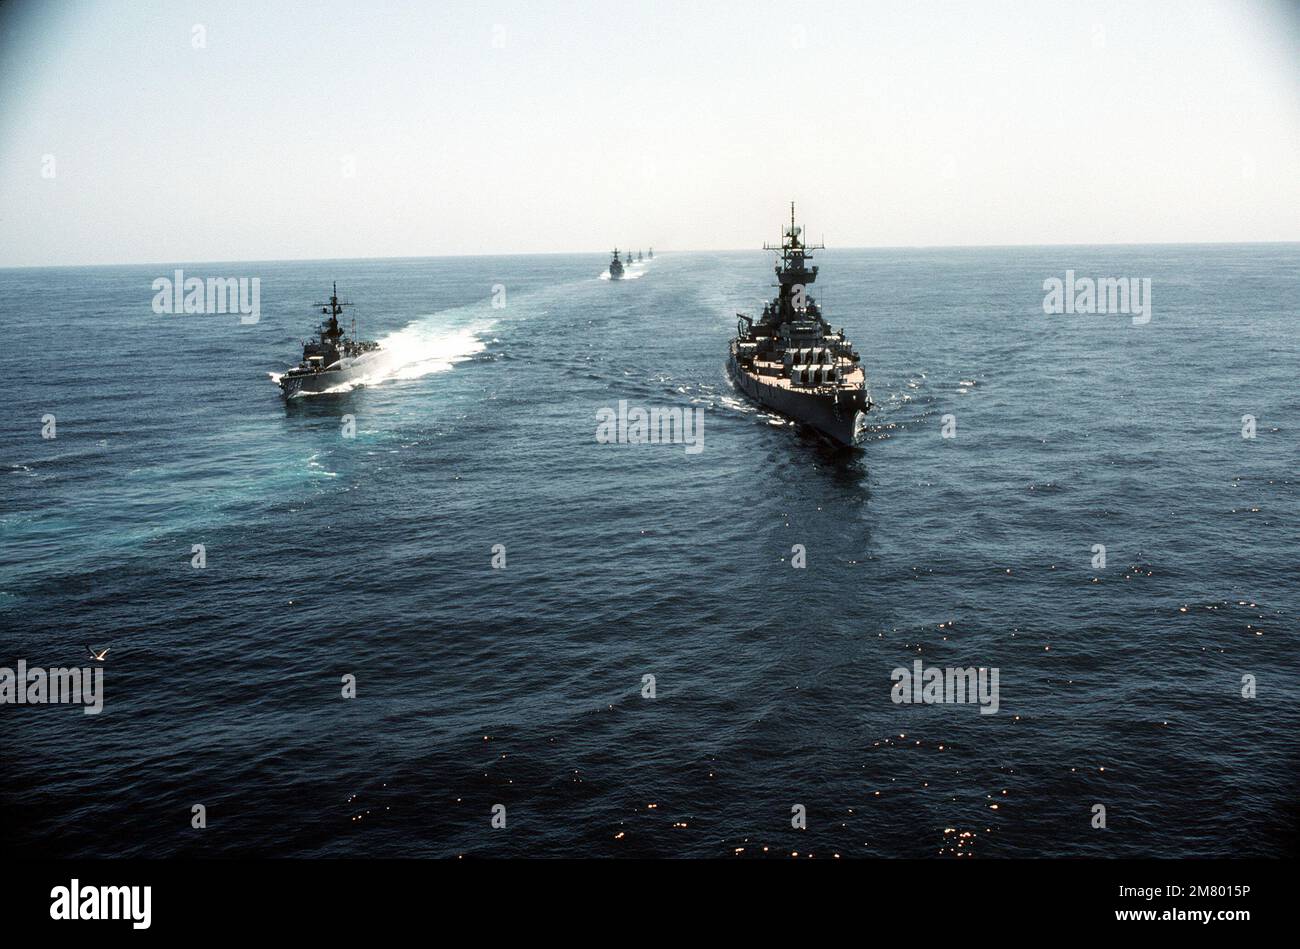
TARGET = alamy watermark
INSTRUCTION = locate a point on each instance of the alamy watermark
(1127, 295)
(83, 901)
(182, 294)
(657, 425)
(55, 686)
(950, 686)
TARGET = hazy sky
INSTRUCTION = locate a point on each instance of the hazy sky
(499, 127)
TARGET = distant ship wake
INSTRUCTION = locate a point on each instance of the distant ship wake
(630, 272)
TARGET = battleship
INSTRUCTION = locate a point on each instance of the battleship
(791, 361)
(331, 359)
(616, 267)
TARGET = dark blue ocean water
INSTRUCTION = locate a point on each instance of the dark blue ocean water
(371, 556)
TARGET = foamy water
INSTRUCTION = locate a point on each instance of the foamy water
(634, 271)
(424, 346)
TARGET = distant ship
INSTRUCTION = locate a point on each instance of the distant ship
(639, 258)
(331, 359)
(652, 253)
(792, 362)
(616, 267)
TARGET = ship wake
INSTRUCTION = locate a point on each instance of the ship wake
(424, 346)
(630, 272)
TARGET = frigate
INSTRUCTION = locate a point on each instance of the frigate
(332, 358)
(791, 361)
(616, 267)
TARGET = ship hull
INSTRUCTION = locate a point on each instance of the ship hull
(844, 424)
(314, 383)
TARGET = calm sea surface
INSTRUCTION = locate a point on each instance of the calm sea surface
(371, 556)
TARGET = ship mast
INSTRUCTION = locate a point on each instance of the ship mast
(792, 272)
(334, 308)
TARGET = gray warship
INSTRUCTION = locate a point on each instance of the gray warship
(331, 359)
(791, 361)
(616, 267)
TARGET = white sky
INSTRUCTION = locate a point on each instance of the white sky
(677, 125)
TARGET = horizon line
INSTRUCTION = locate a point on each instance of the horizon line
(696, 250)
